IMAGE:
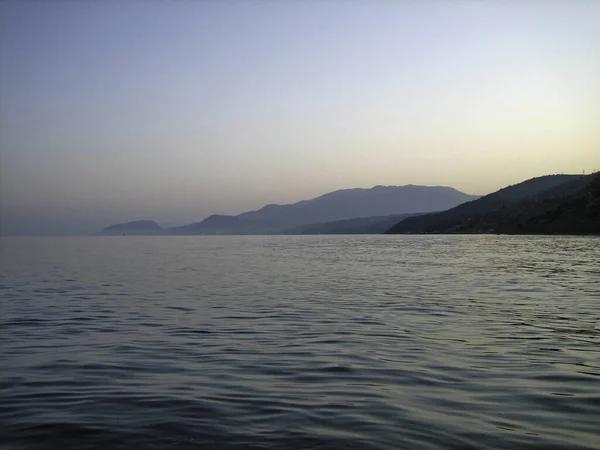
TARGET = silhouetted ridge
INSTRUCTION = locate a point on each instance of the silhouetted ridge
(137, 227)
(548, 204)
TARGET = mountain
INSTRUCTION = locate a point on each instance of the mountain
(362, 225)
(136, 228)
(334, 206)
(572, 211)
(548, 204)
(215, 224)
(379, 201)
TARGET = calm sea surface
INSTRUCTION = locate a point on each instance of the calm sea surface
(308, 342)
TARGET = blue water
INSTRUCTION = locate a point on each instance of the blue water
(300, 342)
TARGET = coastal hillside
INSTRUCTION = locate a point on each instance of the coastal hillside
(571, 212)
(549, 204)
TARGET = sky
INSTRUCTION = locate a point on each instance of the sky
(174, 110)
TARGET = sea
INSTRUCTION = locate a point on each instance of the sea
(300, 342)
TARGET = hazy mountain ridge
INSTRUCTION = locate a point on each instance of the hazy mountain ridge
(379, 201)
(361, 225)
(214, 224)
(136, 228)
(550, 204)
(353, 203)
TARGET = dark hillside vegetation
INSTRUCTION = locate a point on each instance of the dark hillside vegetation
(551, 204)
(562, 213)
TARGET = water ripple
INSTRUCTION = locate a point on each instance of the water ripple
(309, 342)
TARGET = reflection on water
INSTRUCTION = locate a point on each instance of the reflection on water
(375, 342)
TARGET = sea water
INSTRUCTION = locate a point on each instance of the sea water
(300, 342)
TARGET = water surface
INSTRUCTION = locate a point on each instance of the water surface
(300, 342)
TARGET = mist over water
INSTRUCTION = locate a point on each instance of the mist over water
(277, 342)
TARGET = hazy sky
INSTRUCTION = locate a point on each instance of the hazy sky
(174, 110)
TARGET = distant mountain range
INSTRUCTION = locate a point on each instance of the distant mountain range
(373, 206)
(567, 204)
